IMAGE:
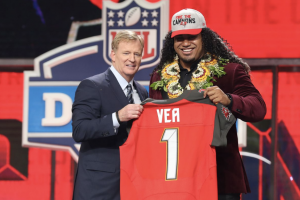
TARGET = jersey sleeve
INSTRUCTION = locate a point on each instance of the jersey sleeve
(224, 120)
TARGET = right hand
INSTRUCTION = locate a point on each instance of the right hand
(131, 111)
(216, 95)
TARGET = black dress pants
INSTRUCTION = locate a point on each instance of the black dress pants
(229, 196)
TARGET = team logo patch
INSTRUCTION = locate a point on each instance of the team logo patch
(226, 112)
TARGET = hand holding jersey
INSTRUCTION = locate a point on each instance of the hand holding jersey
(131, 111)
(216, 95)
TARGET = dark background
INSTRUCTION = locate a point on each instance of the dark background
(29, 28)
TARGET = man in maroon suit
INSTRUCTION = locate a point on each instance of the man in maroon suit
(195, 57)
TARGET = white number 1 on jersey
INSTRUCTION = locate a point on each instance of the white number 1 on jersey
(170, 136)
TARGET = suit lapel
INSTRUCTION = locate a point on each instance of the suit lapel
(138, 89)
(115, 87)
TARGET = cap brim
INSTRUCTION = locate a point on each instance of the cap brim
(186, 32)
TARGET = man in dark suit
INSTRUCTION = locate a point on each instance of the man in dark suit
(193, 55)
(103, 105)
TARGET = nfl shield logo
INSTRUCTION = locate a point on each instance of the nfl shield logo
(146, 19)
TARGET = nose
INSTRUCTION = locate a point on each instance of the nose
(186, 42)
(131, 57)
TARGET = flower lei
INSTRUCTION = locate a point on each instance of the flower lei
(201, 78)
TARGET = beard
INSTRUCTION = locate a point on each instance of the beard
(188, 60)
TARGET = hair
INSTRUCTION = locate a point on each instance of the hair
(211, 42)
(125, 35)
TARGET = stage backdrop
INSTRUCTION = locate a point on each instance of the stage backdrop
(255, 28)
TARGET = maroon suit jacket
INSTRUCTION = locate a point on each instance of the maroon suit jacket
(248, 105)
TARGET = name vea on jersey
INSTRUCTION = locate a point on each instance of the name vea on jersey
(168, 115)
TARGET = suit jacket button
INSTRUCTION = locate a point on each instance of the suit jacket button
(239, 110)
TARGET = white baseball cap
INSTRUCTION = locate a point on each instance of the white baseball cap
(187, 21)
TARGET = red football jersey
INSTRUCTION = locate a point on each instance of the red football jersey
(170, 154)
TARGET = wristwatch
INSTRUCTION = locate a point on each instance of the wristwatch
(230, 98)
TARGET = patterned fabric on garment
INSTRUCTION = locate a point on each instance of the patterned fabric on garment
(129, 93)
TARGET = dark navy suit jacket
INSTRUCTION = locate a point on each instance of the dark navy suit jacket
(98, 171)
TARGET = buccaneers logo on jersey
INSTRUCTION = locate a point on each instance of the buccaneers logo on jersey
(226, 113)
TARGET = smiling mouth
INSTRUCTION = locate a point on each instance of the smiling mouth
(186, 51)
(130, 65)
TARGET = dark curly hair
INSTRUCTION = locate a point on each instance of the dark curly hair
(211, 42)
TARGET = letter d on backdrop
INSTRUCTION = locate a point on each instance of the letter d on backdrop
(50, 119)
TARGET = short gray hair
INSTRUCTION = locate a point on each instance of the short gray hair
(126, 35)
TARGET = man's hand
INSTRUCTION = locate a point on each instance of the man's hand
(216, 95)
(131, 111)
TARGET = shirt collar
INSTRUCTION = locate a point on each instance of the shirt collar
(121, 80)
(193, 67)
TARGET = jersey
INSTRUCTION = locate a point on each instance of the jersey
(170, 151)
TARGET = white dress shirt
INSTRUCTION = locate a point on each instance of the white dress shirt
(123, 83)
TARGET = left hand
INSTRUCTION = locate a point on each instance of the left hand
(216, 95)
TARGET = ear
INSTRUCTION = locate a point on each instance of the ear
(112, 55)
